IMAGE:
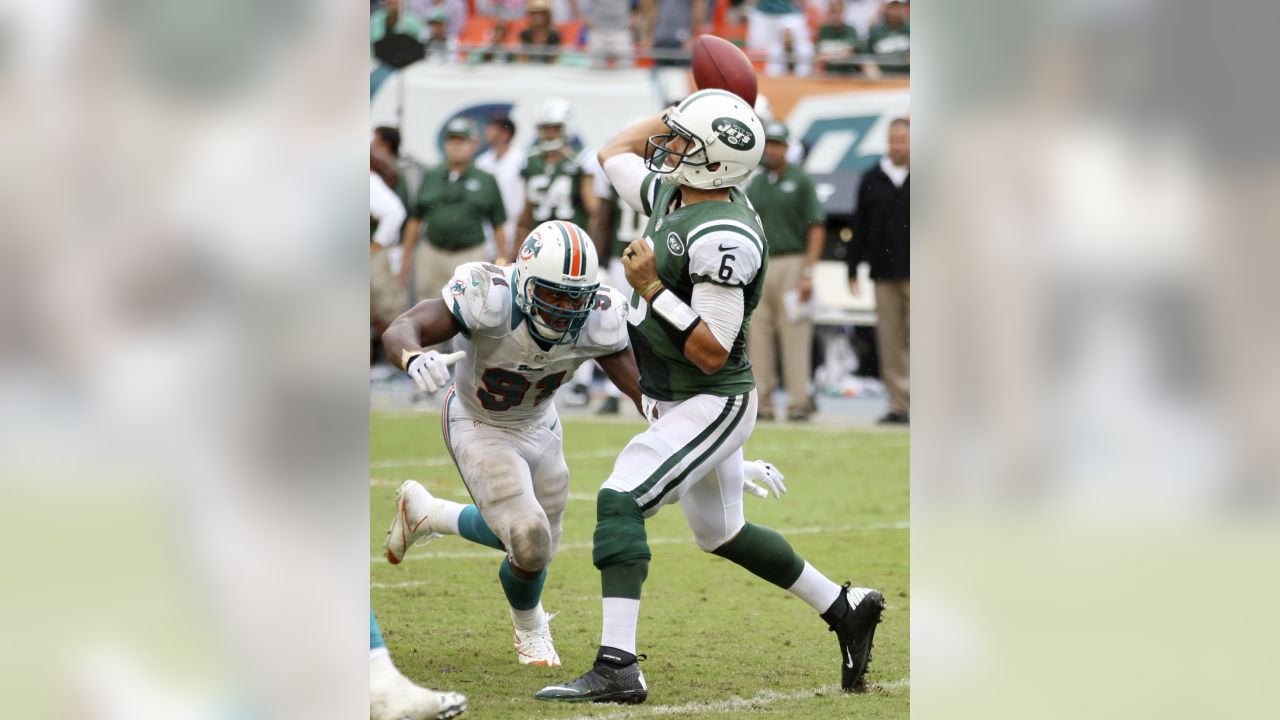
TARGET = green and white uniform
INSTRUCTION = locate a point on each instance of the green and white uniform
(692, 451)
(553, 190)
(711, 242)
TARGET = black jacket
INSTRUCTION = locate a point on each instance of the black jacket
(882, 227)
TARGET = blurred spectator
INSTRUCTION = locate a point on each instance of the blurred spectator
(393, 17)
(540, 35)
(384, 159)
(455, 10)
(386, 215)
(767, 26)
(609, 30)
(837, 41)
(882, 238)
(892, 35)
(505, 162)
(455, 200)
(787, 201)
(862, 14)
(556, 186)
(670, 25)
(502, 9)
(440, 47)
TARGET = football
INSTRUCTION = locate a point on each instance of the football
(718, 63)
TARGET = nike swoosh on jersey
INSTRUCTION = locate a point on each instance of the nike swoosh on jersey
(722, 248)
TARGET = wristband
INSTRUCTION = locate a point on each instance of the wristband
(645, 290)
(407, 356)
(672, 309)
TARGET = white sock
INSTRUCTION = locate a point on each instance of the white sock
(381, 652)
(620, 618)
(529, 620)
(814, 588)
(452, 511)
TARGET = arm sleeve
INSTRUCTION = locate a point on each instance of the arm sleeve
(721, 308)
(726, 254)
(387, 209)
(635, 184)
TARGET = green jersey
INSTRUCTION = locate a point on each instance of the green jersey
(456, 206)
(714, 241)
(838, 40)
(553, 190)
(788, 203)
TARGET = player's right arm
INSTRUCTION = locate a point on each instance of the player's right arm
(428, 323)
(622, 159)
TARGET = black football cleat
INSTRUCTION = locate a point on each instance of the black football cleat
(855, 631)
(603, 683)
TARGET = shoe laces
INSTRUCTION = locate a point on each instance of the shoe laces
(538, 638)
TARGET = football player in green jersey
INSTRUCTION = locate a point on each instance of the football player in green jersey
(696, 276)
(556, 188)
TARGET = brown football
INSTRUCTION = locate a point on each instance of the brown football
(718, 63)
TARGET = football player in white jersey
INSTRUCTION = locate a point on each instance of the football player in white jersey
(525, 329)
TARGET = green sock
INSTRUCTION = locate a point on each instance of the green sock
(522, 594)
(765, 553)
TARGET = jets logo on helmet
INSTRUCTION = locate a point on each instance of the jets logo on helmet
(735, 133)
(555, 280)
(718, 132)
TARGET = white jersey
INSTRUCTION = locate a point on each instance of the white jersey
(508, 379)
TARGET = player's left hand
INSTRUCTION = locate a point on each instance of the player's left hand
(768, 475)
(640, 264)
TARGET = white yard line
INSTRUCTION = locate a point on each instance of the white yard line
(489, 554)
(762, 698)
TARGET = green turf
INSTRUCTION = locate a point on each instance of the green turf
(721, 643)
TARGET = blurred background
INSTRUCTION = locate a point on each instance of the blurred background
(834, 74)
(184, 368)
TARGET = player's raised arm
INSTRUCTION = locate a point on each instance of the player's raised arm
(633, 138)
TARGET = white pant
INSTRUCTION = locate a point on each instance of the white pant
(516, 476)
(767, 32)
(691, 454)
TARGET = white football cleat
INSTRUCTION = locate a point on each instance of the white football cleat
(419, 520)
(534, 647)
(393, 696)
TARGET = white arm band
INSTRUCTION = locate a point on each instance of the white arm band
(721, 308)
(627, 173)
(673, 310)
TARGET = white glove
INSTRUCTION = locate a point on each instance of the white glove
(431, 369)
(766, 474)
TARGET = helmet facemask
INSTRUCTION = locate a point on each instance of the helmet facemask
(658, 152)
(554, 282)
(555, 144)
(541, 300)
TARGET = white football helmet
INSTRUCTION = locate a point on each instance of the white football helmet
(555, 280)
(553, 111)
(724, 138)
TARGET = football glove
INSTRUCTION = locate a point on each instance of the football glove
(430, 370)
(767, 474)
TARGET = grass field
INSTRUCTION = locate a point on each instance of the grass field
(721, 643)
